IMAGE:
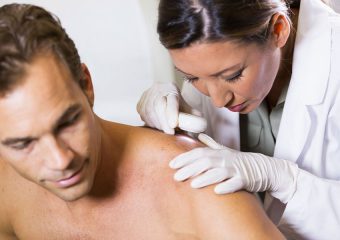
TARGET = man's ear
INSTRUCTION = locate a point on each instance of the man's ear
(280, 29)
(86, 84)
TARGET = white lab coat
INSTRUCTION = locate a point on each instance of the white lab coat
(309, 132)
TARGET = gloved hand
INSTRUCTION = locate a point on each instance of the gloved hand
(235, 170)
(158, 107)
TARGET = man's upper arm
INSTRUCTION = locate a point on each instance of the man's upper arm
(233, 216)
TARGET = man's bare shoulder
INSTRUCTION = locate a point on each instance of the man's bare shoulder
(239, 215)
(162, 144)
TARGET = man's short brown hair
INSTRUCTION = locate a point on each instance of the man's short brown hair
(27, 31)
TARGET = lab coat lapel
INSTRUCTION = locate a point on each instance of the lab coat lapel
(310, 73)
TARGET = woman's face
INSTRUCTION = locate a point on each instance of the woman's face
(234, 76)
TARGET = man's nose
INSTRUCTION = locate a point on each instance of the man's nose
(58, 154)
(219, 95)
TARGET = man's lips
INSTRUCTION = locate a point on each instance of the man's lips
(70, 180)
(75, 173)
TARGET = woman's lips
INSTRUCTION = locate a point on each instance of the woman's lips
(237, 108)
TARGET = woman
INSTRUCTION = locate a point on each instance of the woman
(268, 83)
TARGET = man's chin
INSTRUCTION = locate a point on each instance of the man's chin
(73, 193)
(71, 198)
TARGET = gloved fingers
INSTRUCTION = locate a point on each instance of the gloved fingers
(188, 157)
(229, 186)
(141, 107)
(211, 176)
(146, 113)
(148, 100)
(207, 140)
(192, 170)
(167, 88)
(172, 106)
(151, 119)
(160, 109)
(141, 103)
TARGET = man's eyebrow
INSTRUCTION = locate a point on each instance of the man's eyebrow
(236, 66)
(64, 117)
(10, 141)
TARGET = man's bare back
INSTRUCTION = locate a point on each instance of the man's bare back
(134, 197)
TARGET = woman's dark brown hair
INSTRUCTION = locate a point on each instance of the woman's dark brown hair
(183, 22)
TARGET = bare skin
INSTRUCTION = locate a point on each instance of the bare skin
(133, 194)
(139, 200)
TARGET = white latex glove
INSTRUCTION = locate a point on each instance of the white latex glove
(158, 107)
(235, 170)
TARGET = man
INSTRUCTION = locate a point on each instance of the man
(67, 174)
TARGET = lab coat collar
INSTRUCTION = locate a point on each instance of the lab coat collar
(311, 59)
(309, 81)
(283, 95)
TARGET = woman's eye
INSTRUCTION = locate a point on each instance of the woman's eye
(234, 77)
(190, 79)
(185, 77)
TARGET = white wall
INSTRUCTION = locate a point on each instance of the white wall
(118, 42)
(117, 39)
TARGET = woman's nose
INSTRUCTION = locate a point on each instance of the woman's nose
(219, 95)
(58, 155)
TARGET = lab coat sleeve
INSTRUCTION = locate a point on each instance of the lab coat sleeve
(314, 210)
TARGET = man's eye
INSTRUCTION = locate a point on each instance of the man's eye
(21, 145)
(70, 122)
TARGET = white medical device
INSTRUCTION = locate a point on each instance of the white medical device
(191, 123)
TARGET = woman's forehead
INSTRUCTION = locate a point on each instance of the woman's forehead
(212, 57)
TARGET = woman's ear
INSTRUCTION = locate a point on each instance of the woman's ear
(86, 84)
(280, 29)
